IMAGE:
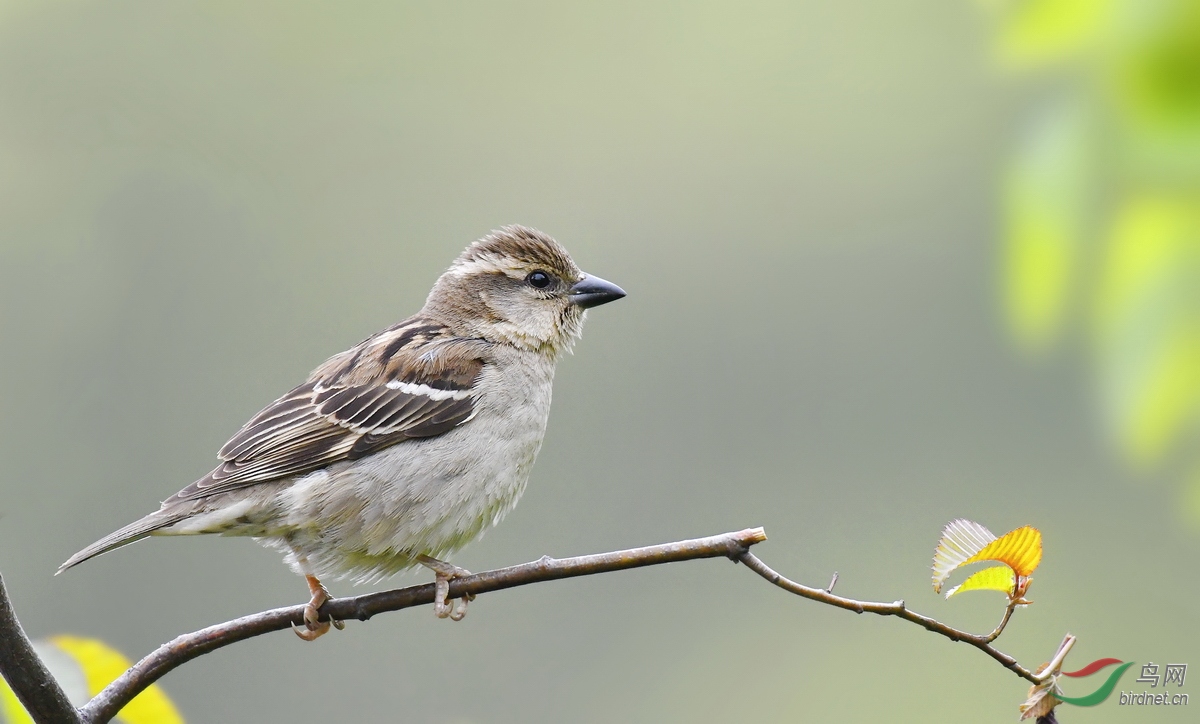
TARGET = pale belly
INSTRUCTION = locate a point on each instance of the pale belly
(369, 518)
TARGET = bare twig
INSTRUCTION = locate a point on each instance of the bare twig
(896, 608)
(29, 678)
(48, 704)
(184, 648)
(1008, 612)
(1051, 669)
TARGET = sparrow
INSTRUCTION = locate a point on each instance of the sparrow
(406, 447)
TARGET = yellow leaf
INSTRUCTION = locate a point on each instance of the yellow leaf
(996, 578)
(99, 665)
(1020, 550)
(102, 665)
(14, 713)
(964, 542)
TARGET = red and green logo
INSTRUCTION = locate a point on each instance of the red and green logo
(1105, 689)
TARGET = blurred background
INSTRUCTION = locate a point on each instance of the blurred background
(888, 264)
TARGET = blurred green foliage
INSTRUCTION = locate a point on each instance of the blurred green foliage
(1102, 208)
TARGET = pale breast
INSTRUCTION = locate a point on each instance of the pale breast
(366, 518)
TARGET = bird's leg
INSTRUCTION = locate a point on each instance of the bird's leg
(314, 627)
(445, 573)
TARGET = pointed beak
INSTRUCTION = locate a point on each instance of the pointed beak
(593, 291)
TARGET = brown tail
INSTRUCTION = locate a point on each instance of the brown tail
(135, 531)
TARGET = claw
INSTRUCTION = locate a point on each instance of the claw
(446, 572)
(311, 634)
(460, 609)
(442, 589)
(314, 627)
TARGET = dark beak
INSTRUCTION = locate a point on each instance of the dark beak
(593, 291)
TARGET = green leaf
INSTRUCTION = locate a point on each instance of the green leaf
(1044, 199)
(1158, 77)
(1146, 324)
(1041, 32)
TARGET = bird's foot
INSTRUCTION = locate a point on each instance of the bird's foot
(445, 573)
(314, 627)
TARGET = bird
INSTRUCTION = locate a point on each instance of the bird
(404, 448)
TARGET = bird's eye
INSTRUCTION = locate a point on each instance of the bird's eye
(539, 279)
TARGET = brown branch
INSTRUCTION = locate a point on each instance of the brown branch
(184, 648)
(29, 678)
(898, 609)
(46, 701)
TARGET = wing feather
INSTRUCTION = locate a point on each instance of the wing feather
(415, 380)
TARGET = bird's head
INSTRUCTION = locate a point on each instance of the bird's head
(518, 286)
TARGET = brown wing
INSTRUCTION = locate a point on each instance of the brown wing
(415, 380)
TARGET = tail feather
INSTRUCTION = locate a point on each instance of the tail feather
(135, 531)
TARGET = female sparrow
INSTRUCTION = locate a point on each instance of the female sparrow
(409, 445)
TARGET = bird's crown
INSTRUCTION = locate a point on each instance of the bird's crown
(515, 250)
